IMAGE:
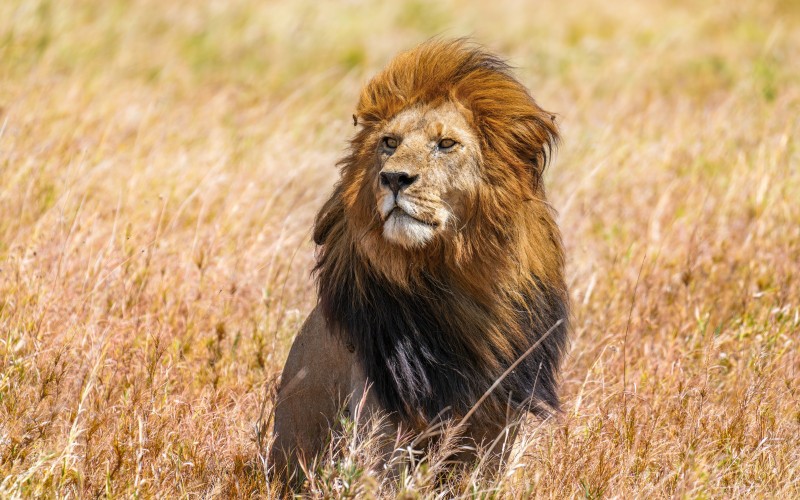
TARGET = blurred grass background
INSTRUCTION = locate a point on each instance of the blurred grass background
(161, 164)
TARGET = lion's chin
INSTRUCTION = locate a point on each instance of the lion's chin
(404, 230)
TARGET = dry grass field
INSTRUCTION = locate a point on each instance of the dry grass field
(161, 164)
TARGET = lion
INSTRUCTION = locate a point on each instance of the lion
(440, 267)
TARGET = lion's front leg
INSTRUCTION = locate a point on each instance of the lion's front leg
(314, 384)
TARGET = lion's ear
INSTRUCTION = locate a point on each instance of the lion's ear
(539, 142)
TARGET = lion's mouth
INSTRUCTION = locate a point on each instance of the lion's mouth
(399, 212)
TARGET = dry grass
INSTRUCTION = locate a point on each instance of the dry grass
(161, 162)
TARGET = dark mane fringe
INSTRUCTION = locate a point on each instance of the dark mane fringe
(434, 328)
(421, 350)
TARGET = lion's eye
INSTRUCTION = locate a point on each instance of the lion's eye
(390, 143)
(446, 144)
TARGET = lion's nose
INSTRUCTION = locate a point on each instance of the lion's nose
(397, 180)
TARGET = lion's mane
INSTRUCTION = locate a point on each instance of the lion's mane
(435, 327)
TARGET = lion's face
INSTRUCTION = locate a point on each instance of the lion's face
(427, 172)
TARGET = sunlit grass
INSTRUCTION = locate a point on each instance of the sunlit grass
(161, 164)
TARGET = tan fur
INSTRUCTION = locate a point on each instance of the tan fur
(474, 222)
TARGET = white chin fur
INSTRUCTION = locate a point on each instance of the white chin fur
(404, 230)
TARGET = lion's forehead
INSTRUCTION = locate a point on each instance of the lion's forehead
(431, 122)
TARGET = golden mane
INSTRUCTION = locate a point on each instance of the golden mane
(435, 327)
(500, 108)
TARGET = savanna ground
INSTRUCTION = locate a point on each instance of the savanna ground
(161, 163)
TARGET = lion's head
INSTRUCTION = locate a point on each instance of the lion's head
(439, 257)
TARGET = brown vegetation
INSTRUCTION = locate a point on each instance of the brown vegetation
(161, 164)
